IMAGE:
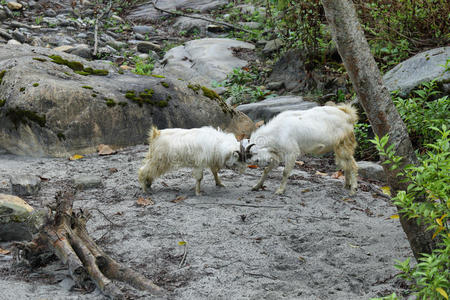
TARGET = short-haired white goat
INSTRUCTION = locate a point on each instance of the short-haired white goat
(314, 131)
(198, 148)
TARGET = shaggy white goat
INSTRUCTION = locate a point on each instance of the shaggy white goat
(316, 131)
(199, 148)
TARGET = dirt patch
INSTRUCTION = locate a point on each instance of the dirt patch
(315, 242)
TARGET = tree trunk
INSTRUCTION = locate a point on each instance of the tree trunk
(376, 101)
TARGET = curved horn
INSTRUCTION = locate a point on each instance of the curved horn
(249, 147)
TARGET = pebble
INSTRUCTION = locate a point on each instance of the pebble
(14, 5)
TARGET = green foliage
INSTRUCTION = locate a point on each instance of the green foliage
(365, 150)
(38, 20)
(143, 66)
(241, 87)
(430, 182)
(422, 110)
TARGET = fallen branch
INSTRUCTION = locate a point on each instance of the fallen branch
(99, 18)
(66, 235)
(237, 204)
(200, 18)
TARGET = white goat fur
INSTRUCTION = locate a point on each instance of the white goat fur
(315, 131)
(199, 148)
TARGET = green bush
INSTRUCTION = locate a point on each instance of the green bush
(423, 109)
(430, 182)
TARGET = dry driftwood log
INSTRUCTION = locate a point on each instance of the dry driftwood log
(65, 234)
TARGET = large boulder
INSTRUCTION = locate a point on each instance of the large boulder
(205, 60)
(418, 69)
(62, 105)
(146, 12)
(267, 109)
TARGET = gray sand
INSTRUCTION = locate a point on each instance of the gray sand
(315, 242)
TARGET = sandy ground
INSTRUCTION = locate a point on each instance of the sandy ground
(315, 242)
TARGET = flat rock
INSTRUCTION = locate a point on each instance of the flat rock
(84, 182)
(371, 170)
(272, 46)
(420, 68)
(204, 60)
(146, 47)
(147, 12)
(267, 109)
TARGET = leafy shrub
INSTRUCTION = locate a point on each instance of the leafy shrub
(241, 87)
(430, 181)
(143, 66)
(422, 110)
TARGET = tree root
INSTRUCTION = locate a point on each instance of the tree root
(66, 235)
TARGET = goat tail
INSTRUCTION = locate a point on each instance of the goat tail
(350, 111)
(153, 134)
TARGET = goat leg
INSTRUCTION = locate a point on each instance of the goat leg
(289, 165)
(198, 175)
(216, 177)
(264, 175)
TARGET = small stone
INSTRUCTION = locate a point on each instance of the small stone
(82, 50)
(125, 68)
(50, 13)
(85, 182)
(64, 48)
(14, 5)
(19, 36)
(13, 42)
(143, 29)
(25, 185)
(146, 47)
(3, 15)
(251, 25)
(275, 86)
(272, 46)
(5, 34)
(371, 170)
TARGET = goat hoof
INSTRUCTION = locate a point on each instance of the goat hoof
(279, 192)
(255, 188)
(220, 185)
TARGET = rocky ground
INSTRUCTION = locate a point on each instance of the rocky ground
(315, 242)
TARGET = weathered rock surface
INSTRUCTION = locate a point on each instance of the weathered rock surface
(202, 61)
(371, 170)
(24, 184)
(14, 213)
(50, 110)
(146, 12)
(420, 68)
(267, 109)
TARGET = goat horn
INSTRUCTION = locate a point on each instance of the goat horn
(249, 147)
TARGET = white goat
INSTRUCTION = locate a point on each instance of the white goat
(315, 131)
(199, 148)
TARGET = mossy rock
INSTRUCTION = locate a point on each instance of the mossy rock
(35, 84)
(110, 102)
(21, 116)
(210, 93)
(2, 102)
(39, 59)
(87, 87)
(2, 74)
(78, 67)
